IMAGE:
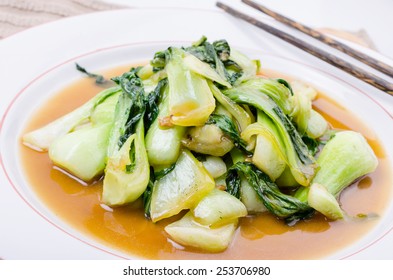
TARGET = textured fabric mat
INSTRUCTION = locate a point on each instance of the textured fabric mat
(17, 15)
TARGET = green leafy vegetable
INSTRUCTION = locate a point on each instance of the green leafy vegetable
(152, 101)
(180, 189)
(159, 61)
(149, 189)
(300, 160)
(161, 173)
(286, 84)
(127, 171)
(281, 205)
(346, 157)
(250, 198)
(163, 142)
(189, 232)
(317, 126)
(215, 166)
(242, 118)
(99, 78)
(274, 89)
(308, 121)
(217, 55)
(190, 98)
(269, 153)
(207, 139)
(130, 108)
(43, 137)
(320, 199)
(218, 208)
(82, 152)
(229, 128)
(146, 197)
(222, 50)
(313, 145)
(203, 69)
(249, 68)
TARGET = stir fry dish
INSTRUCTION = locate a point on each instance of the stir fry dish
(201, 137)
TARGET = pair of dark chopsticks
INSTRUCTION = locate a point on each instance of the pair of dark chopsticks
(356, 71)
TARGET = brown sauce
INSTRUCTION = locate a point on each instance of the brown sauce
(258, 237)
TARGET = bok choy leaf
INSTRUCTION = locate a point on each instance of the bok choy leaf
(228, 127)
(281, 205)
(188, 232)
(302, 163)
(180, 189)
(98, 78)
(190, 98)
(163, 143)
(82, 152)
(346, 157)
(207, 139)
(216, 55)
(269, 153)
(243, 119)
(43, 137)
(127, 171)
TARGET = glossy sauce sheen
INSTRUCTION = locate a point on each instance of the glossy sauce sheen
(258, 237)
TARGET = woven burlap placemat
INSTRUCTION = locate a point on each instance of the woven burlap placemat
(18, 15)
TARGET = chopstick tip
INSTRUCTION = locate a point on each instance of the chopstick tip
(219, 4)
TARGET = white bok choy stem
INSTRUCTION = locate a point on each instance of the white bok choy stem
(190, 99)
(43, 137)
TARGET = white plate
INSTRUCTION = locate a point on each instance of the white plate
(38, 62)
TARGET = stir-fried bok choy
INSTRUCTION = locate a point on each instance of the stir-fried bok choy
(345, 158)
(201, 138)
(127, 169)
(261, 96)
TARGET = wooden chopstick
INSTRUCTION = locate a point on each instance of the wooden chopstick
(325, 56)
(370, 61)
